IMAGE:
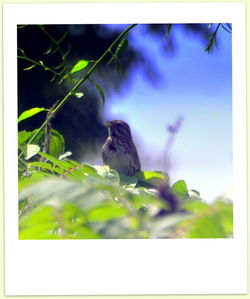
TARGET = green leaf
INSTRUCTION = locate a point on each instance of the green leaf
(56, 146)
(33, 179)
(81, 172)
(122, 46)
(61, 164)
(23, 136)
(152, 177)
(195, 206)
(107, 212)
(32, 150)
(180, 189)
(38, 225)
(207, 227)
(81, 64)
(28, 113)
(225, 210)
(208, 221)
(43, 165)
(65, 155)
(79, 94)
(107, 173)
(100, 90)
(128, 181)
(102, 170)
(113, 176)
(22, 51)
(29, 68)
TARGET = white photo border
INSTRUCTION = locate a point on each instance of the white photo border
(125, 267)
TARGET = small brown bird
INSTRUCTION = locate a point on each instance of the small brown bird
(119, 151)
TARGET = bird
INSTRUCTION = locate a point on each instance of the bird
(119, 151)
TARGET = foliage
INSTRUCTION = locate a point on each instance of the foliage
(63, 199)
(60, 198)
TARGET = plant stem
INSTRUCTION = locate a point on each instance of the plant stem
(47, 68)
(63, 101)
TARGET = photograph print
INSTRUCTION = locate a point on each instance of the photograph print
(125, 131)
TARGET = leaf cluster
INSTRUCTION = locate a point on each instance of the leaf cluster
(60, 198)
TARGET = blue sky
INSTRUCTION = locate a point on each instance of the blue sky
(194, 85)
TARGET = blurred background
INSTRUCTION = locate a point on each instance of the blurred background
(176, 97)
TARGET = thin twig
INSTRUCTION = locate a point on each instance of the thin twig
(47, 134)
(45, 67)
(56, 43)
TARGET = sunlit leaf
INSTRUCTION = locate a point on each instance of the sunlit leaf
(209, 226)
(62, 164)
(80, 65)
(79, 94)
(33, 179)
(38, 225)
(31, 112)
(195, 206)
(107, 212)
(108, 173)
(65, 155)
(44, 165)
(152, 177)
(225, 211)
(180, 189)
(32, 150)
(29, 67)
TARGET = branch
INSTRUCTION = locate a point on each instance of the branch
(40, 63)
(55, 42)
(212, 40)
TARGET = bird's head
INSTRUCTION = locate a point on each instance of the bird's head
(118, 128)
